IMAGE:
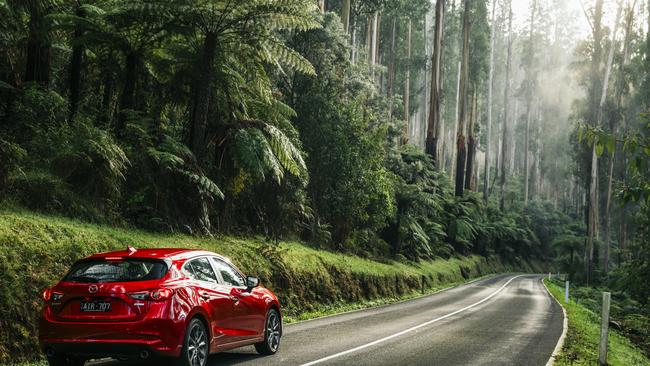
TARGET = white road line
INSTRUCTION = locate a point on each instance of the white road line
(355, 349)
(565, 327)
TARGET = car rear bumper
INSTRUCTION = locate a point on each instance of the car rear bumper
(104, 348)
(161, 337)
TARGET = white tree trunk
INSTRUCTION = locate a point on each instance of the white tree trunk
(593, 188)
(531, 80)
(407, 86)
(506, 105)
(488, 145)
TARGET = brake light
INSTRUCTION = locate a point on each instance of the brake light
(48, 295)
(155, 295)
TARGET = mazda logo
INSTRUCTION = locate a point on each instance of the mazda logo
(92, 289)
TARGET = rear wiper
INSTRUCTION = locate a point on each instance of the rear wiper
(82, 279)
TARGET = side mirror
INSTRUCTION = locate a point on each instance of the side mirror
(251, 283)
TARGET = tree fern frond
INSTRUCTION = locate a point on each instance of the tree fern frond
(273, 50)
(165, 160)
(204, 184)
(288, 22)
(93, 10)
(286, 152)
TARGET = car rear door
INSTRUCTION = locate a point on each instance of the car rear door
(249, 309)
(219, 305)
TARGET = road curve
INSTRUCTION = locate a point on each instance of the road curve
(503, 320)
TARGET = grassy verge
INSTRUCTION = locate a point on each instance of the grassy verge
(581, 343)
(36, 250)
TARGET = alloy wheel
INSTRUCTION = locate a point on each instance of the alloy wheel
(273, 331)
(197, 347)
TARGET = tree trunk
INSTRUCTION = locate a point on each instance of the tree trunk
(488, 145)
(434, 120)
(526, 156)
(529, 102)
(372, 54)
(407, 86)
(107, 98)
(345, 15)
(471, 146)
(203, 96)
(377, 39)
(369, 33)
(355, 44)
(39, 49)
(595, 62)
(619, 105)
(391, 69)
(127, 101)
(506, 106)
(452, 147)
(592, 116)
(76, 63)
(461, 158)
(593, 187)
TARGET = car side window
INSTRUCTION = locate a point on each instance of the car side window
(201, 270)
(230, 276)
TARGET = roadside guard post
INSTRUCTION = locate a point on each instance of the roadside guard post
(604, 330)
(566, 291)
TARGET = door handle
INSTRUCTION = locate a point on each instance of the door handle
(206, 295)
(234, 299)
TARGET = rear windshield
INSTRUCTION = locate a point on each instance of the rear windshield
(123, 270)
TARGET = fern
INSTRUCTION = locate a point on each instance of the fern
(275, 52)
(176, 158)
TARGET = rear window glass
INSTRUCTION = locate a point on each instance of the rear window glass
(125, 270)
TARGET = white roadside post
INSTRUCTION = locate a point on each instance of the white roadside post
(604, 330)
(566, 291)
(549, 276)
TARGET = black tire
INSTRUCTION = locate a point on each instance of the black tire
(272, 334)
(64, 360)
(196, 346)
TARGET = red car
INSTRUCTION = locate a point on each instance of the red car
(147, 303)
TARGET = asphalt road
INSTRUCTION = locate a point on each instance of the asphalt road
(503, 320)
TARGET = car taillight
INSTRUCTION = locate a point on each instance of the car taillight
(48, 295)
(155, 295)
(161, 294)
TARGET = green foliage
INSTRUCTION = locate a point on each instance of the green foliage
(167, 189)
(72, 167)
(343, 137)
(418, 230)
(634, 273)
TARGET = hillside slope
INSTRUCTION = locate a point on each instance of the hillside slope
(36, 250)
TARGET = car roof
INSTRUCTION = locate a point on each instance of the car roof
(157, 253)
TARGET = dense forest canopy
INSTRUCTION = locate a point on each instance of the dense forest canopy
(409, 129)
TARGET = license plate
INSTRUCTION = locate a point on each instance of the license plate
(95, 306)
